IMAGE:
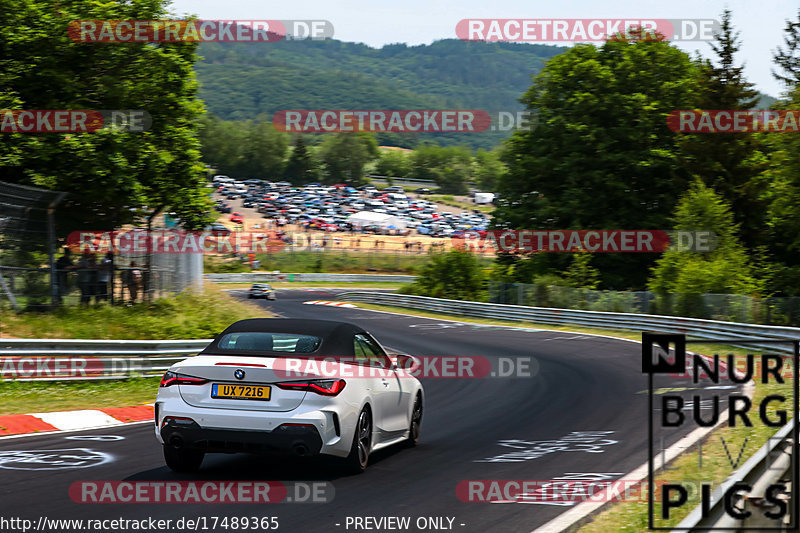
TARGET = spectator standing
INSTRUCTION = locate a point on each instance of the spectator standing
(87, 276)
(103, 277)
(133, 280)
(63, 266)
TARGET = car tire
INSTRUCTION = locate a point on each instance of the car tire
(356, 462)
(250, 296)
(416, 423)
(183, 460)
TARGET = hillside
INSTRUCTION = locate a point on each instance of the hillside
(241, 81)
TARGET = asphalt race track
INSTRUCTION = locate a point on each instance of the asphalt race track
(578, 384)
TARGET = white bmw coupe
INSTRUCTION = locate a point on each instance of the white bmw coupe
(302, 387)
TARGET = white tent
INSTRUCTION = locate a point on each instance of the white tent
(370, 218)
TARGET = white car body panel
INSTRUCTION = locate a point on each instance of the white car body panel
(390, 396)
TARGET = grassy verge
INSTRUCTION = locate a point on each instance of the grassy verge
(632, 516)
(452, 202)
(18, 397)
(189, 315)
(333, 262)
(329, 284)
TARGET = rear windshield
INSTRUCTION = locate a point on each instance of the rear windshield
(257, 341)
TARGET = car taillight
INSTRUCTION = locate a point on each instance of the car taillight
(172, 378)
(325, 387)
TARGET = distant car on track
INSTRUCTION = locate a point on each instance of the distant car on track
(240, 395)
(261, 290)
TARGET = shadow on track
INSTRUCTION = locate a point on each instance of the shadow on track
(244, 467)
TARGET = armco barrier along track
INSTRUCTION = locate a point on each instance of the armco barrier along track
(272, 277)
(52, 359)
(694, 327)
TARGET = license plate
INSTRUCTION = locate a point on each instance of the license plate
(240, 392)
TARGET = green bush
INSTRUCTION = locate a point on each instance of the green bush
(455, 275)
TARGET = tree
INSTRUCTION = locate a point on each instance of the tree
(392, 163)
(248, 148)
(581, 273)
(344, 156)
(112, 176)
(221, 144)
(601, 156)
(730, 163)
(781, 180)
(456, 275)
(301, 168)
(450, 167)
(725, 269)
(489, 169)
(264, 150)
(788, 59)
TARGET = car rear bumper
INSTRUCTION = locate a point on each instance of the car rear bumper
(323, 431)
(287, 439)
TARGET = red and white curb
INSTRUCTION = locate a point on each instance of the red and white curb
(326, 302)
(72, 420)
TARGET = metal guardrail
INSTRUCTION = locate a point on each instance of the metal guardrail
(698, 328)
(271, 277)
(770, 464)
(73, 359)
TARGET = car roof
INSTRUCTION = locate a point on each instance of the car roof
(336, 336)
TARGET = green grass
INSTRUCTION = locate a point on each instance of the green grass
(333, 262)
(632, 516)
(330, 284)
(18, 397)
(189, 315)
(347, 262)
(450, 200)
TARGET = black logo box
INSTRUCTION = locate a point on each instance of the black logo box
(672, 360)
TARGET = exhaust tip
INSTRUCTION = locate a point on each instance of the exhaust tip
(300, 449)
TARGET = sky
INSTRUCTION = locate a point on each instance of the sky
(380, 22)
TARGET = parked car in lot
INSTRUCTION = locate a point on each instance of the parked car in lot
(218, 229)
(333, 204)
(262, 290)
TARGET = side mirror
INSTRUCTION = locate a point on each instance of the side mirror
(408, 363)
